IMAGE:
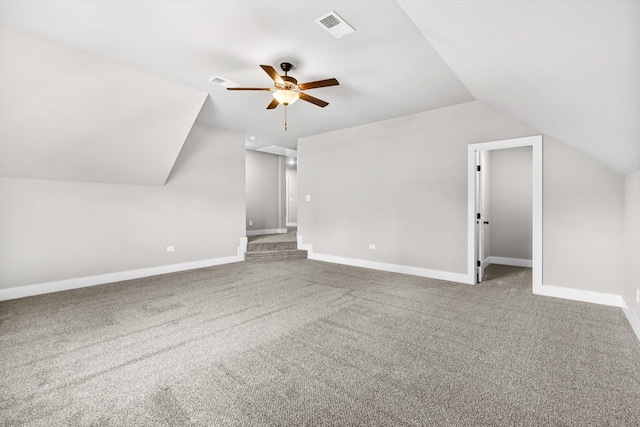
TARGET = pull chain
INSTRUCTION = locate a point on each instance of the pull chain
(285, 116)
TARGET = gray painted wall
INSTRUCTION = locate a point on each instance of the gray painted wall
(511, 202)
(292, 178)
(402, 184)
(583, 221)
(57, 230)
(265, 189)
(632, 240)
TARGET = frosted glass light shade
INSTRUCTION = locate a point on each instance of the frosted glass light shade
(286, 97)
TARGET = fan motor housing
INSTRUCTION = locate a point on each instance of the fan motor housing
(289, 81)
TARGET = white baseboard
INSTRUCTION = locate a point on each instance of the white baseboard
(267, 231)
(292, 224)
(579, 295)
(375, 265)
(102, 279)
(515, 262)
(631, 317)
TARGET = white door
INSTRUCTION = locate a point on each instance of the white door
(481, 219)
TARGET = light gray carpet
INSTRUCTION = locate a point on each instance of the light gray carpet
(289, 236)
(309, 343)
(274, 247)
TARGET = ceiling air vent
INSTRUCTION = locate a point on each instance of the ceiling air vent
(223, 82)
(335, 25)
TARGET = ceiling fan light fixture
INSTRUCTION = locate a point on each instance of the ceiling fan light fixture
(286, 97)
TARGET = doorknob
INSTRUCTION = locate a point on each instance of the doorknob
(486, 222)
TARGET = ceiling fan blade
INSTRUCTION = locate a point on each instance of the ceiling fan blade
(248, 88)
(319, 83)
(274, 104)
(311, 99)
(272, 73)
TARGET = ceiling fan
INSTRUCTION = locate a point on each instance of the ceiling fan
(286, 89)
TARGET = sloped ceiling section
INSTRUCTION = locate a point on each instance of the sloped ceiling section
(385, 69)
(66, 115)
(567, 68)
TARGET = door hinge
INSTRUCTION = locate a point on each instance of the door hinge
(477, 216)
(478, 168)
(478, 263)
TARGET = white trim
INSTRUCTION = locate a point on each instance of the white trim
(472, 248)
(82, 282)
(286, 197)
(102, 279)
(516, 262)
(267, 231)
(579, 295)
(631, 317)
(393, 268)
(374, 265)
(243, 247)
(304, 246)
(292, 224)
(536, 143)
(486, 262)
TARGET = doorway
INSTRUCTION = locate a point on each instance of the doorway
(477, 221)
(292, 192)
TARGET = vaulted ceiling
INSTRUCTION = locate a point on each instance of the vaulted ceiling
(570, 69)
(107, 91)
(71, 116)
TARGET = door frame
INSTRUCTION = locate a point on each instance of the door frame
(536, 143)
(286, 192)
(479, 208)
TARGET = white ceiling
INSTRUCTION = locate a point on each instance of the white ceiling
(385, 69)
(568, 69)
(70, 116)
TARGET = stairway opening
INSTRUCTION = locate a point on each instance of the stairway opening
(274, 247)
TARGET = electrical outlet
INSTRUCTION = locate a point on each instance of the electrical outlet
(372, 246)
(171, 248)
(250, 222)
(638, 295)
